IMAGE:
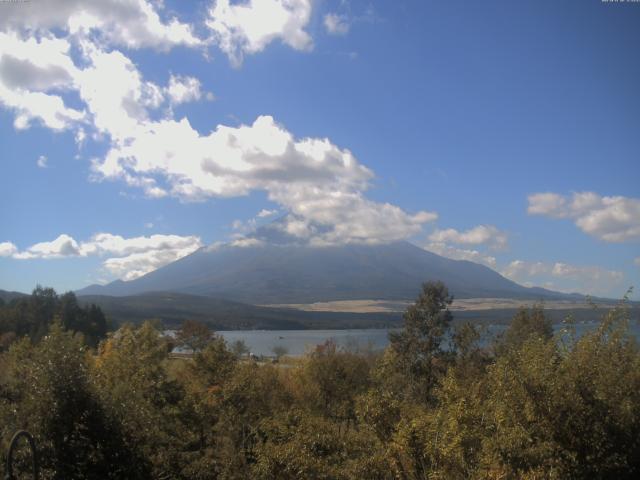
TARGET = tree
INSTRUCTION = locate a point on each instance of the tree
(131, 378)
(204, 378)
(239, 348)
(279, 351)
(526, 324)
(50, 386)
(33, 315)
(417, 348)
(297, 445)
(329, 381)
(194, 335)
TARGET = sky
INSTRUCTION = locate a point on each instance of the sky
(134, 132)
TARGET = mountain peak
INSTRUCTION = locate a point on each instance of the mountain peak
(267, 268)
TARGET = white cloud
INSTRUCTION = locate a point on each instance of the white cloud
(109, 244)
(248, 27)
(42, 161)
(479, 235)
(566, 277)
(128, 258)
(80, 137)
(139, 264)
(637, 261)
(244, 227)
(266, 213)
(31, 71)
(246, 242)
(63, 246)
(117, 97)
(114, 93)
(322, 185)
(129, 23)
(461, 254)
(336, 24)
(518, 269)
(183, 89)
(7, 249)
(548, 204)
(611, 219)
(37, 69)
(131, 258)
(311, 178)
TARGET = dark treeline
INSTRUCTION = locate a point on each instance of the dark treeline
(32, 316)
(530, 406)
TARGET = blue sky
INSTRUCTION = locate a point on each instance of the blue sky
(502, 132)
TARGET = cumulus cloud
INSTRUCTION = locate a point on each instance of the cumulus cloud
(566, 277)
(38, 70)
(63, 246)
(128, 258)
(321, 185)
(42, 161)
(32, 73)
(336, 24)
(7, 249)
(461, 253)
(248, 27)
(129, 23)
(611, 219)
(479, 235)
(184, 89)
(266, 213)
(115, 96)
(637, 261)
(246, 242)
(310, 178)
(107, 243)
(115, 93)
(138, 256)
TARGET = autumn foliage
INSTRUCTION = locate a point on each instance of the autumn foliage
(436, 404)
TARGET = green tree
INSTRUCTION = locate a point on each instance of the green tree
(239, 348)
(50, 390)
(298, 445)
(527, 323)
(131, 377)
(203, 378)
(418, 347)
(330, 380)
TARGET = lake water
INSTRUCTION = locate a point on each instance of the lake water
(297, 342)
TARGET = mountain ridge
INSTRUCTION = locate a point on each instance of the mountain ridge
(284, 273)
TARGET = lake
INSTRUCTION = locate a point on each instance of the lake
(297, 342)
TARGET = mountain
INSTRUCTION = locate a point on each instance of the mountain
(7, 296)
(277, 273)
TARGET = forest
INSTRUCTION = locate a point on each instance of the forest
(437, 403)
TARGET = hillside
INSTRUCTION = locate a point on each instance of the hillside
(7, 296)
(173, 308)
(276, 273)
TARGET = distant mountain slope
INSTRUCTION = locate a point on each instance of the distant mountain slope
(271, 273)
(8, 296)
(174, 308)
